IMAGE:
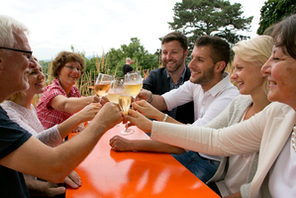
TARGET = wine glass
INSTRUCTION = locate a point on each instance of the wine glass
(124, 101)
(133, 83)
(132, 86)
(116, 89)
(102, 84)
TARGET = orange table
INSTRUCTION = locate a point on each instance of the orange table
(106, 173)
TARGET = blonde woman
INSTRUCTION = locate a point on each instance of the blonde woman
(250, 56)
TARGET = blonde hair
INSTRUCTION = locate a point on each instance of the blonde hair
(256, 50)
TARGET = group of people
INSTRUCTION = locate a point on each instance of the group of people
(31, 145)
(193, 112)
(225, 175)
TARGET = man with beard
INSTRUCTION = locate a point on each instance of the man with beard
(209, 87)
(211, 91)
(173, 74)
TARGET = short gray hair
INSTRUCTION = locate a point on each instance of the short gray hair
(8, 26)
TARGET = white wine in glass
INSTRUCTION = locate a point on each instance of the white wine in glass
(125, 103)
(133, 83)
(133, 88)
(116, 89)
(102, 84)
(113, 97)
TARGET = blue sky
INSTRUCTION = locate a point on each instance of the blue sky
(94, 26)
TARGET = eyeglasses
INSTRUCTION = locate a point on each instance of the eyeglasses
(72, 68)
(19, 50)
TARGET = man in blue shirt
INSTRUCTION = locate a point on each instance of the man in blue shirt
(174, 50)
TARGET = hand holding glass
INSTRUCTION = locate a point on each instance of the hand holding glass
(132, 86)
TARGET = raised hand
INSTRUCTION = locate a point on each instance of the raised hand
(95, 99)
(147, 110)
(138, 119)
(89, 112)
(109, 115)
(144, 95)
(104, 100)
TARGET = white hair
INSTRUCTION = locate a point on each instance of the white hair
(8, 26)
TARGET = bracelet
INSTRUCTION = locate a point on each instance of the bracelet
(151, 98)
(165, 117)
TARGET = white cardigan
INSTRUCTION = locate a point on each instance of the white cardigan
(266, 131)
(234, 171)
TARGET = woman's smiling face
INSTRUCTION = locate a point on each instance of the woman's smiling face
(70, 73)
(36, 79)
(247, 76)
(280, 70)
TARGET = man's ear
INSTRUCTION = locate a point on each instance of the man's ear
(220, 65)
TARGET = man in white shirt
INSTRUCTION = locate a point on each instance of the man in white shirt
(209, 87)
(211, 91)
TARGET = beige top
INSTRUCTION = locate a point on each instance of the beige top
(266, 132)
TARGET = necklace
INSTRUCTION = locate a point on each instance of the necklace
(293, 139)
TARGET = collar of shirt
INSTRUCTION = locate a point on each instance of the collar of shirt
(180, 81)
(73, 91)
(219, 87)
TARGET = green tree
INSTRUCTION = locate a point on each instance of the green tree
(274, 11)
(114, 58)
(134, 50)
(210, 17)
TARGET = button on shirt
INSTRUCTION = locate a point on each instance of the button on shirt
(207, 105)
(173, 112)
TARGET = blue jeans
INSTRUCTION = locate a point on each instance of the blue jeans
(201, 167)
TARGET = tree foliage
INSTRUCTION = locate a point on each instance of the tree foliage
(274, 11)
(115, 58)
(134, 50)
(210, 17)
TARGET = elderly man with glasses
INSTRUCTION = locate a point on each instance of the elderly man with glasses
(19, 151)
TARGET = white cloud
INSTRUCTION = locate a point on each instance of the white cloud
(95, 25)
